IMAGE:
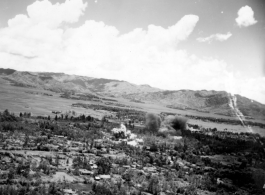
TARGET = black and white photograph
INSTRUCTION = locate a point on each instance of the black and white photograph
(132, 97)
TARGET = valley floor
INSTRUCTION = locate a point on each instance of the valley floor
(42, 103)
(84, 155)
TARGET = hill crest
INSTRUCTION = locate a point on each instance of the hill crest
(219, 102)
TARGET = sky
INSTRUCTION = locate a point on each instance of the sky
(168, 44)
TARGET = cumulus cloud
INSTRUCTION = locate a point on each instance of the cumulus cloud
(245, 17)
(252, 88)
(40, 32)
(216, 37)
(53, 15)
(45, 42)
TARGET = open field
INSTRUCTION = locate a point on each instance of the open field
(20, 99)
(17, 100)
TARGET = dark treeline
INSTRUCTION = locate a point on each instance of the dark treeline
(120, 112)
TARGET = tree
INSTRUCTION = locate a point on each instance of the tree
(23, 169)
(76, 171)
(26, 141)
(34, 166)
(88, 118)
(101, 189)
(128, 176)
(57, 160)
(152, 122)
(11, 174)
(52, 189)
(45, 166)
(104, 165)
(6, 112)
(153, 186)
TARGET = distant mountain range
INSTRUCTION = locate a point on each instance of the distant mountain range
(60, 82)
(6, 71)
(219, 102)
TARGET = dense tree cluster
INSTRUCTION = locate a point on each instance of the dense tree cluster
(104, 165)
(6, 116)
(82, 163)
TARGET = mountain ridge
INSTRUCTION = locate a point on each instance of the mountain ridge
(218, 102)
(210, 101)
(61, 82)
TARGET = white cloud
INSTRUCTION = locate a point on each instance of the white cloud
(252, 88)
(38, 42)
(41, 31)
(216, 37)
(53, 15)
(245, 17)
